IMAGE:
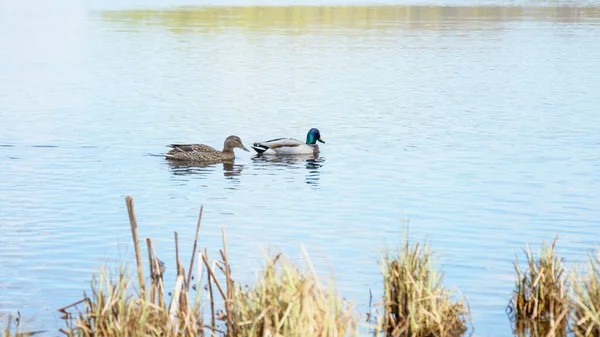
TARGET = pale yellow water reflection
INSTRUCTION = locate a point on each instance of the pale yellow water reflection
(320, 19)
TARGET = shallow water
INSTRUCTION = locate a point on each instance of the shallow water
(476, 125)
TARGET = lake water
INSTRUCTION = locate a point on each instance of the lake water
(476, 123)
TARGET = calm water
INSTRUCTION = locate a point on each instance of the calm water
(479, 125)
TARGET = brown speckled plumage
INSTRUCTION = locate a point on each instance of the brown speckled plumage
(205, 153)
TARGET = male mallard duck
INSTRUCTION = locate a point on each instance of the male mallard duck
(291, 145)
(205, 153)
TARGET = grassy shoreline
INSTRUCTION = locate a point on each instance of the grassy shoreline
(289, 299)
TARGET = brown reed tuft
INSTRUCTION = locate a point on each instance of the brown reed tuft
(586, 299)
(539, 303)
(416, 304)
(284, 302)
(114, 310)
(120, 307)
(287, 301)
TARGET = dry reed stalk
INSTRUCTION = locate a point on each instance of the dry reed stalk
(199, 279)
(180, 272)
(157, 277)
(229, 298)
(134, 234)
(63, 310)
(214, 277)
(558, 325)
(174, 307)
(189, 278)
(204, 260)
(152, 273)
(177, 264)
(182, 300)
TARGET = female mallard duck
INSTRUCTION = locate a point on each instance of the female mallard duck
(290, 145)
(205, 153)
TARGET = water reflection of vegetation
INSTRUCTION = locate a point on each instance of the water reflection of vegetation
(13, 326)
(319, 19)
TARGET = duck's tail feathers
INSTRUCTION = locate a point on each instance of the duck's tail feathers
(259, 147)
(177, 147)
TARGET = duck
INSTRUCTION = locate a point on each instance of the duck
(205, 153)
(291, 145)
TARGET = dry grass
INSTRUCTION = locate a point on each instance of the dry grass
(586, 300)
(115, 309)
(120, 307)
(289, 302)
(284, 302)
(416, 304)
(539, 303)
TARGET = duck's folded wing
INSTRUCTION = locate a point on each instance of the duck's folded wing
(192, 148)
(279, 142)
(176, 155)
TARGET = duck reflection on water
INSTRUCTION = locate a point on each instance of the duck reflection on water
(312, 163)
(291, 161)
(182, 168)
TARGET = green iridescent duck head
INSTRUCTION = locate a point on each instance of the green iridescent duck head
(313, 136)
